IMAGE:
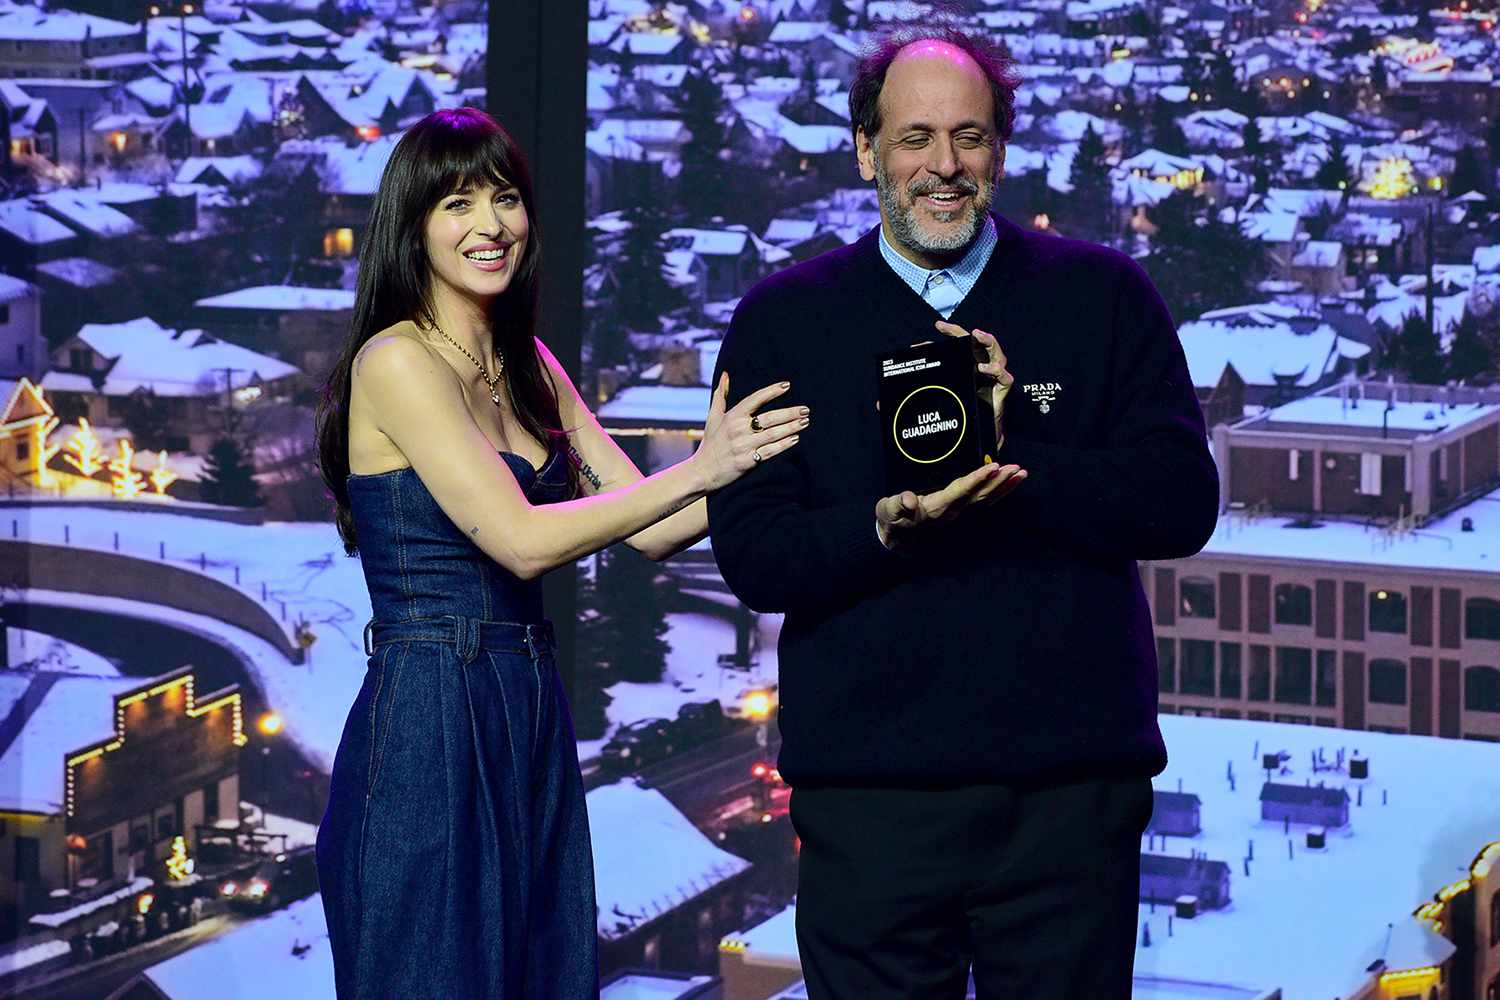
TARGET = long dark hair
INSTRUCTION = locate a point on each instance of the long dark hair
(447, 150)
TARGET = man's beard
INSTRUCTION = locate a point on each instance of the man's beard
(903, 217)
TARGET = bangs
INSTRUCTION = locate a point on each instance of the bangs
(460, 149)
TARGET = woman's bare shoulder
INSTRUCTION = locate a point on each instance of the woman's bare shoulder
(396, 346)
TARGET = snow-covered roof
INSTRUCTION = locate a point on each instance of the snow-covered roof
(1260, 354)
(1487, 259)
(648, 857)
(1441, 543)
(12, 289)
(23, 220)
(30, 651)
(797, 32)
(87, 212)
(81, 272)
(235, 169)
(683, 406)
(1270, 227)
(167, 362)
(1404, 418)
(785, 231)
(32, 24)
(282, 298)
(73, 711)
(1318, 253)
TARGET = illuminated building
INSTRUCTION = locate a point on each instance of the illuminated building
(105, 773)
(1349, 582)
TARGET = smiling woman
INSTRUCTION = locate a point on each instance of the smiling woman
(454, 856)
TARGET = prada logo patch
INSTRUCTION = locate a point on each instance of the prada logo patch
(1043, 394)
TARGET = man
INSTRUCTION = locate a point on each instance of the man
(968, 678)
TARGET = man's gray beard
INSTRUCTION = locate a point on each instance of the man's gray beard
(909, 233)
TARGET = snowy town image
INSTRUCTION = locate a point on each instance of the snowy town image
(1313, 186)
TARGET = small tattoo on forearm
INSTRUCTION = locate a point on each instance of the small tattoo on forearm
(584, 469)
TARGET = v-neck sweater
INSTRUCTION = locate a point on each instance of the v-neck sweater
(1013, 643)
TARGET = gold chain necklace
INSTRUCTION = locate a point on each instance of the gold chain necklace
(490, 380)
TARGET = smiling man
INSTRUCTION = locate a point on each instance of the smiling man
(968, 678)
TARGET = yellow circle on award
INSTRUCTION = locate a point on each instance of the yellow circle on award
(936, 422)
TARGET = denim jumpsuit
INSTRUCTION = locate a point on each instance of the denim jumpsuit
(454, 857)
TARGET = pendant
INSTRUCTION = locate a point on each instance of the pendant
(494, 395)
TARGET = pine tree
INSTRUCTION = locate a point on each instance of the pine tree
(1334, 173)
(148, 419)
(645, 295)
(1258, 153)
(1090, 179)
(839, 14)
(703, 183)
(1199, 262)
(1131, 120)
(1468, 172)
(1166, 134)
(1415, 352)
(1222, 82)
(1469, 356)
(228, 478)
(623, 619)
(588, 699)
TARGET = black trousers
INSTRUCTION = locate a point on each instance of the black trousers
(900, 891)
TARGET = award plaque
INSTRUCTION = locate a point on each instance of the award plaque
(936, 428)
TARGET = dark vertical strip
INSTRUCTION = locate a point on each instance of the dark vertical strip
(1354, 690)
(1354, 609)
(1166, 596)
(1450, 605)
(1421, 695)
(1325, 609)
(1450, 697)
(536, 68)
(1421, 616)
(1260, 603)
(1229, 602)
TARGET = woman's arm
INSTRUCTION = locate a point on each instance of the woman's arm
(613, 469)
(418, 404)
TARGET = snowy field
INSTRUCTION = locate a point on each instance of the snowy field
(29, 651)
(303, 568)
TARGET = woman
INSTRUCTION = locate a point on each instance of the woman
(454, 856)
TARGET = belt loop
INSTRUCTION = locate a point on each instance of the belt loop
(369, 638)
(466, 634)
(531, 644)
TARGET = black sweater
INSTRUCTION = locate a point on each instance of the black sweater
(1014, 643)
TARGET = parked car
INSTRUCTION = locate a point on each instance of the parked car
(701, 721)
(638, 744)
(276, 881)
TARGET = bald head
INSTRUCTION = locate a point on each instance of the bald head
(921, 55)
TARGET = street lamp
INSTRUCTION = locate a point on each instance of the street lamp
(183, 10)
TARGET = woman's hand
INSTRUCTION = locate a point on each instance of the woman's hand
(995, 381)
(735, 441)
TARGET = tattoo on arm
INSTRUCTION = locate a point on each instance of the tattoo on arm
(584, 469)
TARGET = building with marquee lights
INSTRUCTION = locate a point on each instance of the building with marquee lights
(98, 776)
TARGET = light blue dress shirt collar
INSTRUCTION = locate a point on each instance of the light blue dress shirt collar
(946, 287)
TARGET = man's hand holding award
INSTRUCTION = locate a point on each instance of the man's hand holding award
(942, 405)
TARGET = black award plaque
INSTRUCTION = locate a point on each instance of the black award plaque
(936, 428)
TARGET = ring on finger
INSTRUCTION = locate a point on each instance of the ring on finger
(755, 425)
(755, 455)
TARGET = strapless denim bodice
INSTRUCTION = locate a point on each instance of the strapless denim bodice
(419, 565)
